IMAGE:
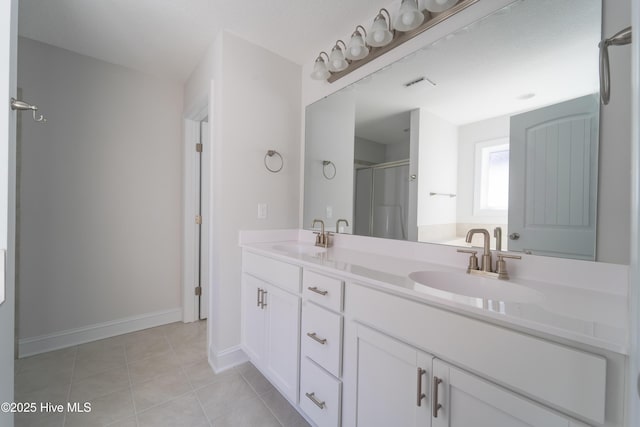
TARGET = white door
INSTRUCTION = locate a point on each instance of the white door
(8, 47)
(467, 400)
(553, 179)
(253, 318)
(392, 383)
(282, 335)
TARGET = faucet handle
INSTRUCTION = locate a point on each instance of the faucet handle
(502, 255)
(501, 265)
(318, 238)
(473, 259)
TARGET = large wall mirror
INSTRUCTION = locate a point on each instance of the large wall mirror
(494, 126)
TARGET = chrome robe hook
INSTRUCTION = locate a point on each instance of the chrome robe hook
(23, 106)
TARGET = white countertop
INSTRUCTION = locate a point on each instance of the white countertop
(583, 315)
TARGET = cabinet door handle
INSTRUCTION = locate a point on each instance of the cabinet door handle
(314, 337)
(312, 397)
(263, 304)
(317, 291)
(420, 394)
(434, 393)
(259, 291)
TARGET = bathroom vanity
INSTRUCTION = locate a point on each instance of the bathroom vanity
(350, 339)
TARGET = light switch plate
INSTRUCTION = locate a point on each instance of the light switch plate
(262, 211)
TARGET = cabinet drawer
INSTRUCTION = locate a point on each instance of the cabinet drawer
(322, 337)
(319, 395)
(281, 274)
(324, 290)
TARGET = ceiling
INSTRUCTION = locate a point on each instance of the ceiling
(544, 48)
(168, 37)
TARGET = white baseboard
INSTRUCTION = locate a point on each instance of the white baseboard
(226, 359)
(71, 337)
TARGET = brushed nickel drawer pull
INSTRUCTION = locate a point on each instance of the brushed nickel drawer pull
(312, 397)
(259, 291)
(314, 337)
(263, 303)
(317, 291)
(435, 405)
(421, 395)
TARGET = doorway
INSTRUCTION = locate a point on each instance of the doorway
(196, 269)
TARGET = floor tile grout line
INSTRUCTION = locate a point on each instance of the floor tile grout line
(180, 396)
(260, 397)
(73, 369)
(270, 409)
(133, 400)
(193, 389)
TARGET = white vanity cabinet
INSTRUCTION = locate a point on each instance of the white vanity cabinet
(353, 353)
(463, 400)
(271, 319)
(529, 370)
(393, 379)
(397, 384)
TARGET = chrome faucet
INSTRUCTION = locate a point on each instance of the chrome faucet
(338, 224)
(322, 237)
(485, 265)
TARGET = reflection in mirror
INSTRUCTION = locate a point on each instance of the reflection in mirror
(494, 125)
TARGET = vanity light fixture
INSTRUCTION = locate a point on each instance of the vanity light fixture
(320, 71)
(439, 5)
(357, 48)
(380, 33)
(409, 18)
(364, 46)
(337, 62)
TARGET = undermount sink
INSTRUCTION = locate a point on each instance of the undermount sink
(475, 286)
(299, 248)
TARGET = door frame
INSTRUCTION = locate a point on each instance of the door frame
(8, 88)
(633, 388)
(192, 120)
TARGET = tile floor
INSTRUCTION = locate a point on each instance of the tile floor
(156, 377)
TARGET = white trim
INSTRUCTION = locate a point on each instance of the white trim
(71, 337)
(226, 359)
(633, 389)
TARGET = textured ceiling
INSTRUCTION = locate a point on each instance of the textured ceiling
(168, 37)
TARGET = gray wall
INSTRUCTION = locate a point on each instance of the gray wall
(256, 107)
(99, 192)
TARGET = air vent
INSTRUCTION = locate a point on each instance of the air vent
(419, 80)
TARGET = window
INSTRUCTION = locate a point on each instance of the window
(492, 177)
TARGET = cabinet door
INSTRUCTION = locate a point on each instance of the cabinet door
(467, 400)
(392, 382)
(282, 340)
(253, 316)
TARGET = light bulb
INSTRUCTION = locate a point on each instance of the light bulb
(355, 51)
(378, 36)
(336, 63)
(407, 18)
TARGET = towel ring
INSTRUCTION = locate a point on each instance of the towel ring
(272, 153)
(326, 163)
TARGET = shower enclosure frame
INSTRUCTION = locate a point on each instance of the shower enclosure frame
(377, 166)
